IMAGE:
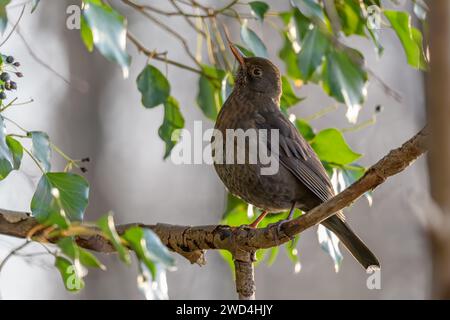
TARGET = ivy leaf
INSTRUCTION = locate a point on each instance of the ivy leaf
(109, 32)
(153, 288)
(73, 280)
(273, 254)
(173, 120)
(252, 41)
(6, 158)
(310, 8)
(302, 24)
(289, 57)
(41, 148)
(329, 242)
(154, 87)
(16, 150)
(3, 15)
(314, 48)
(72, 195)
(345, 80)
(73, 251)
(351, 18)
(330, 146)
(209, 97)
(148, 248)
(259, 9)
(288, 97)
(410, 37)
(34, 5)
(305, 129)
(106, 224)
(86, 35)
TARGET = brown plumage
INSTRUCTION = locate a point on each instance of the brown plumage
(301, 180)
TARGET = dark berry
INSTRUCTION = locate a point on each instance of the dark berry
(10, 59)
(16, 64)
(4, 76)
(378, 108)
(87, 159)
(2, 95)
(13, 85)
(83, 169)
(19, 74)
(8, 86)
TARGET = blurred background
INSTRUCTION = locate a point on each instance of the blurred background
(99, 114)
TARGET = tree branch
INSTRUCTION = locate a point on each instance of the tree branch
(242, 241)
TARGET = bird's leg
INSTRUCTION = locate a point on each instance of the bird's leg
(255, 223)
(289, 217)
(291, 212)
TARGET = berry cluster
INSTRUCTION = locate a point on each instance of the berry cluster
(8, 66)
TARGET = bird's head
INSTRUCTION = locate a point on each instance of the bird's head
(257, 74)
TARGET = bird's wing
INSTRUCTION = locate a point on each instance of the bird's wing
(296, 154)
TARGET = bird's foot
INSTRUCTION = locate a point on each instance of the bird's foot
(289, 217)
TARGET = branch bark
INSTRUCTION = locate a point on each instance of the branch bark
(243, 241)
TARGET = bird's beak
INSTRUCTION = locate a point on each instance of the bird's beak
(236, 53)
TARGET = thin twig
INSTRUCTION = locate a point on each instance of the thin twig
(14, 27)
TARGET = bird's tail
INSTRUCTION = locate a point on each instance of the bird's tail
(352, 242)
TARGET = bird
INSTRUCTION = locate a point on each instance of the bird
(301, 180)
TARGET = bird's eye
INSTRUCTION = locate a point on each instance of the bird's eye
(256, 72)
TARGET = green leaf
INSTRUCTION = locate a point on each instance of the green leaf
(345, 80)
(41, 148)
(73, 251)
(6, 158)
(173, 120)
(34, 5)
(228, 257)
(16, 150)
(244, 51)
(312, 53)
(253, 42)
(71, 195)
(350, 14)
(209, 97)
(86, 35)
(70, 274)
(154, 87)
(135, 237)
(3, 15)
(329, 243)
(330, 146)
(305, 129)
(259, 9)
(106, 224)
(288, 97)
(157, 251)
(310, 8)
(109, 32)
(289, 57)
(302, 24)
(285, 17)
(410, 37)
(273, 254)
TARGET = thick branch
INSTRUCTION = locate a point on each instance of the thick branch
(192, 241)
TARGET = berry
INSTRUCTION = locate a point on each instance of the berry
(87, 159)
(10, 59)
(4, 76)
(378, 108)
(83, 169)
(13, 85)
(16, 64)
(2, 95)
(8, 86)
(19, 74)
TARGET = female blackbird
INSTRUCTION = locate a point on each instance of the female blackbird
(301, 181)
